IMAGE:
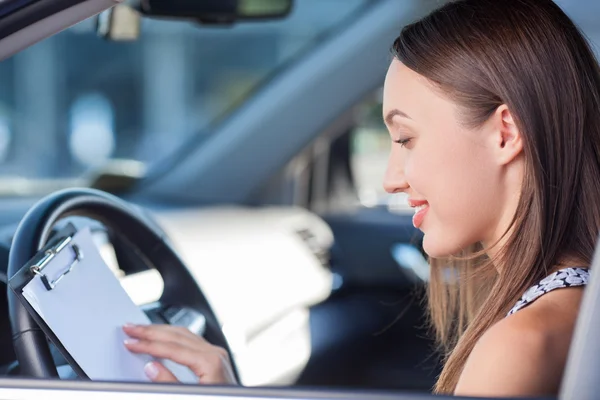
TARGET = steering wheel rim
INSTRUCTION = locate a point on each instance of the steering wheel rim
(34, 230)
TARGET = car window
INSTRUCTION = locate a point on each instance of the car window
(74, 101)
(370, 146)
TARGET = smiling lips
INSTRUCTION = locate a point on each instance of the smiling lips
(421, 207)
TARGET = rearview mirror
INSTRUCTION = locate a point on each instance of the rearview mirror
(123, 21)
(214, 11)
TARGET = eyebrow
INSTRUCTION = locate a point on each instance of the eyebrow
(390, 116)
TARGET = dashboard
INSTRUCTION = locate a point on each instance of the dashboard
(260, 268)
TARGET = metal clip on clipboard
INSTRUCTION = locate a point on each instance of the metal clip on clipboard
(49, 255)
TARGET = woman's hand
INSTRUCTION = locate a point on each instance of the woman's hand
(210, 363)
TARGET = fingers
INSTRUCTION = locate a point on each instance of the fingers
(158, 372)
(201, 363)
(172, 351)
(209, 363)
(166, 333)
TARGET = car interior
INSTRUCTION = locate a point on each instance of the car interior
(228, 160)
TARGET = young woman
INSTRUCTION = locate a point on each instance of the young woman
(493, 108)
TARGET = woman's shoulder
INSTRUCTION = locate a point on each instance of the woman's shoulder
(525, 353)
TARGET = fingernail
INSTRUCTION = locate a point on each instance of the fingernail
(131, 341)
(129, 326)
(151, 370)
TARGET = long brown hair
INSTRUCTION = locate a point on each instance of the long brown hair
(528, 55)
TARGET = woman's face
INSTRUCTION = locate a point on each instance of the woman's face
(453, 176)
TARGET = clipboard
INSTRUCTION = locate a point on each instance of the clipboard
(81, 306)
(26, 274)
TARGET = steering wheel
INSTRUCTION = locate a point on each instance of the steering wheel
(30, 343)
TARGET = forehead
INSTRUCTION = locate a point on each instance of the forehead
(406, 90)
(400, 83)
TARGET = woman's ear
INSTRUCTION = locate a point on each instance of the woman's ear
(508, 142)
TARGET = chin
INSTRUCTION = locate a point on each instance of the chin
(435, 247)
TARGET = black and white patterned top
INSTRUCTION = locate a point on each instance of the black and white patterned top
(562, 278)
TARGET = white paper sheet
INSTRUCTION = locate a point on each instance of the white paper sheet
(86, 311)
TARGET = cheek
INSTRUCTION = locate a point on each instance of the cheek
(458, 181)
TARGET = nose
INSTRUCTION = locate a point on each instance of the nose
(395, 179)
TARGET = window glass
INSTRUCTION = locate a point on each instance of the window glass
(370, 148)
(74, 101)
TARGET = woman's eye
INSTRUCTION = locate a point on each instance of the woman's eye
(402, 142)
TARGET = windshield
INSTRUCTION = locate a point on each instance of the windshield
(75, 101)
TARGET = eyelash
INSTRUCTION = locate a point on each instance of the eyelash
(402, 142)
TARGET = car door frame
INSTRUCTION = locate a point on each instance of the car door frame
(29, 389)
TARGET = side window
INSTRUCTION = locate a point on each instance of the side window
(343, 168)
(369, 152)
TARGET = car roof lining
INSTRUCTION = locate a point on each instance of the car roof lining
(42, 19)
(8, 6)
